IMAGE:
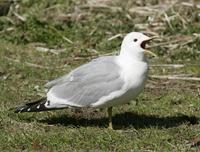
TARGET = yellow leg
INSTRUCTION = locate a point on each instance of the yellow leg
(110, 118)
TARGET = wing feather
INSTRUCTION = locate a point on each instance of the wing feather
(87, 84)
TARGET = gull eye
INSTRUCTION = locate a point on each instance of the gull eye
(135, 40)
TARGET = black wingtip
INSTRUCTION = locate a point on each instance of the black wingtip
(36, 106)
(24, 108)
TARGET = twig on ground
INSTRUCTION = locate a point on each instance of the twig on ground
(27, 63)
(168, 65)
(168, 21)
(172, 77)
(111, 53)
(21, 18)
(7, 30)
(57, 6)
(175, 41)
(54, 51)
(13, 60)
(115, 36)
(36, 65)
(64, 37)
(190, 5)
(173, 65)
(102, 7)
(152, 33)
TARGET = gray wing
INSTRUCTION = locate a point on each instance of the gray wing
(88, 83)
(57, 81)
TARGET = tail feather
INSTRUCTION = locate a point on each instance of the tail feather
(36, 106)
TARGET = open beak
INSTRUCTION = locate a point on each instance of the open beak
(143, 44)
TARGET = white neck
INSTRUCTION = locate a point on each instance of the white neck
(133, 66)
(132, 55)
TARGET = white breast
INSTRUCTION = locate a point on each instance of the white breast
(133, 72)
(134, 75)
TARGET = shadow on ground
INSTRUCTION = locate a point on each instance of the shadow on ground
(124, 120)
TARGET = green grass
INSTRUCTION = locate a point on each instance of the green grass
(165, 117)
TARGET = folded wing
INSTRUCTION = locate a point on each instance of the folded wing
(85, 85)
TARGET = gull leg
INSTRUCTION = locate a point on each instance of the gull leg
(110, 118)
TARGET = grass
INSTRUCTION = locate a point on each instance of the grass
(165, 117)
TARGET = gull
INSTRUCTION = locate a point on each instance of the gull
(104, 82)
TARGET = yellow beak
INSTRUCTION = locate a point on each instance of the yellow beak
(149, 52)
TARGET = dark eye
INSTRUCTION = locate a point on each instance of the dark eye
(135, 40)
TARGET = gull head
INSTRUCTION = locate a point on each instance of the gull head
(134, 46)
